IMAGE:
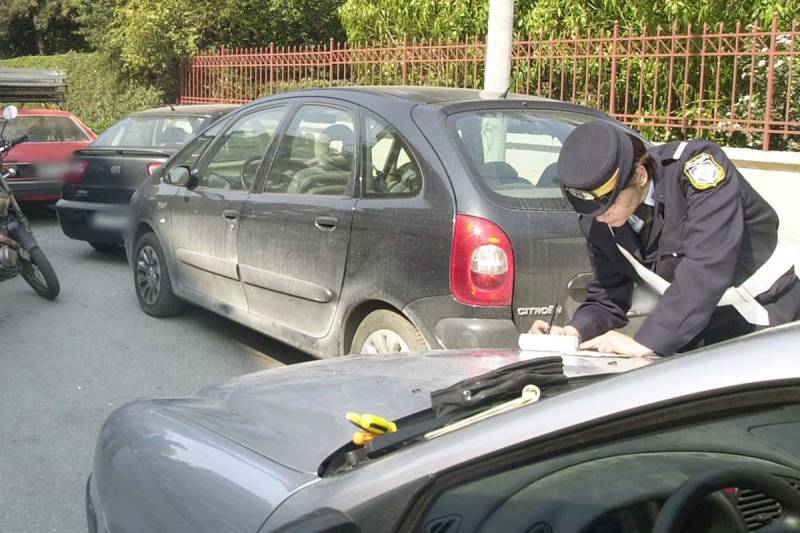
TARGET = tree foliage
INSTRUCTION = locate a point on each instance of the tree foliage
(558, 16)
(149, 38)
(389, 20)
(38, 27)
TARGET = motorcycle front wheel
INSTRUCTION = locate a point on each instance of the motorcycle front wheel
(39, 274)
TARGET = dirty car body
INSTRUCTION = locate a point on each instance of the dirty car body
(306, 215)
(103, 175)
(269, 451)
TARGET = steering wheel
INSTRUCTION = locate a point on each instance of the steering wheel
(683, 501)
(248, 174)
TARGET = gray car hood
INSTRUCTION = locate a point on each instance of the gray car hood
(295, 415)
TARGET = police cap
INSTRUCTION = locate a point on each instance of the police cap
(594, 166)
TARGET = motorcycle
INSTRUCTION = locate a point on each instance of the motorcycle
(19, 251)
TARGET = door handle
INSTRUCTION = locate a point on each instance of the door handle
(325, 223)
(230, 214)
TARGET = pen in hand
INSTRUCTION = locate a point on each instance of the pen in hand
(552, 317)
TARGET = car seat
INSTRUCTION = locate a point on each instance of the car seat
(498, 173)
(408, 180)
(333, 155)
(173, 135)
(549, 177)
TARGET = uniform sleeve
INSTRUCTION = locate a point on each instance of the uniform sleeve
(608, 299)
(712, 236)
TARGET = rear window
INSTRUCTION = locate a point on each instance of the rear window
(45, 129)
(513, 152)
(141, 132)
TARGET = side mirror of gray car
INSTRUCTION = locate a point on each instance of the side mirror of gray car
(193, 181)
(180, 176)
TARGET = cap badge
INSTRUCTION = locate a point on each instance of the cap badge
(704, 172)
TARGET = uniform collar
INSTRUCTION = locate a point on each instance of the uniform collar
(651, 198)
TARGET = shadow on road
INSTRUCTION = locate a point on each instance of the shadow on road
(39, 212)
(247, 337)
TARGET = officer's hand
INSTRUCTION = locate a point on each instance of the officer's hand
(540, 327)
(618, 343)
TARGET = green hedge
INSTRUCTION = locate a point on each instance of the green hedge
(95, 92)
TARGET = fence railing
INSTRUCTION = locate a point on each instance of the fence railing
(739, 85)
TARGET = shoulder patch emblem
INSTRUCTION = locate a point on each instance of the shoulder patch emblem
(704, 172)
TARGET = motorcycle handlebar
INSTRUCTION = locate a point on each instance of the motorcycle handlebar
(20, 139)
(5, 146)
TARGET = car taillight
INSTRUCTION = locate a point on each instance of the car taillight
(482, 263)
(76, 172)
(152, 167)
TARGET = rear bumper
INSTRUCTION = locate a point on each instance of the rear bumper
(79, 221)
(477, 333)
(35, 190)
(446, 323)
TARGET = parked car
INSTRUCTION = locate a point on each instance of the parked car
(366, 219)
(102, 177)
(42, 161)
(705, 441)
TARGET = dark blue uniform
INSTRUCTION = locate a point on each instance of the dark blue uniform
(708, 234)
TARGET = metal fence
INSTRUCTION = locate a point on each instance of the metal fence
(739, 85)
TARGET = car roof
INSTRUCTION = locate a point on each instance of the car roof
(417, 95)
(51, 112)
(206, 109)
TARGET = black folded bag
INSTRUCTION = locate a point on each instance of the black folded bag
(503, 383)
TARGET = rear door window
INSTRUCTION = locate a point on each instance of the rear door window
(45, 129)
(513, 153)
(389, 166)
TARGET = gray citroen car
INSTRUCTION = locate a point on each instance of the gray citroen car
(484, 441)
(367, 220)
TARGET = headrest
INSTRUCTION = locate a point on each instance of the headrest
(334, 147)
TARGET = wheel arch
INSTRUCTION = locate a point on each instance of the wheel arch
(141, 229)
(359, 313)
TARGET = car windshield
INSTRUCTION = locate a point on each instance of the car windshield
(44, 129)
(149, 131)
(513, 152)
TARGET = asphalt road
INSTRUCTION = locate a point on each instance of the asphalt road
(65, 365)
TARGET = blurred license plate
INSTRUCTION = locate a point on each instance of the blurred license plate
(109, 220)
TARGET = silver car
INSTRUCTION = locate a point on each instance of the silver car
(706, 441)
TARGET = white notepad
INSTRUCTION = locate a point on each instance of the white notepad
(548, 343)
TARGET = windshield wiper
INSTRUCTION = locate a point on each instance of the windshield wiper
(456, 402)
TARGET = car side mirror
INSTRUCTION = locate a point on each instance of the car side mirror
(180, 176)
(194, 180)
(577, 286)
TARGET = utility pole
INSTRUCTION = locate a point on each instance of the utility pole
(498, 46)
(497, 80)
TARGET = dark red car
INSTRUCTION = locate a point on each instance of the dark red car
(42, 162)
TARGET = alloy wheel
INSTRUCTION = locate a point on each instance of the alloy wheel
(148, 275)
(384, 341)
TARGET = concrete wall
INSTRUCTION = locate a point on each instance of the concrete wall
(776, 177)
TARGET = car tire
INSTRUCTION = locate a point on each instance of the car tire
(385, 331)
(152, 281)
(105, 247)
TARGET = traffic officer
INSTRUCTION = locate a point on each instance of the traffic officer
(681, 220)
